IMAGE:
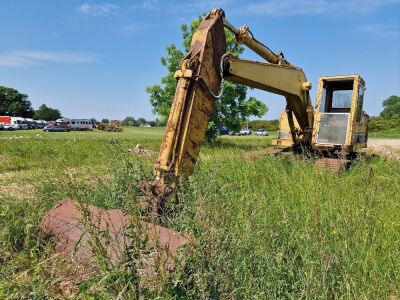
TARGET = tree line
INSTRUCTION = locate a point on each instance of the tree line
(16, 104)
(131, 121)
(389, 118)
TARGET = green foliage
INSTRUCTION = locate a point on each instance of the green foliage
(269, 125)
(14, 103)
(230, 110)
(142, 121)
(391, 107)
(129, 121)
(105, 121)
(47, 113)
(383, 124)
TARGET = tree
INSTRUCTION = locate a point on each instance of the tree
(14, 103)
(105, 121)
(232, 108)
(129, 121)
(152, 123)
(160, 123)
(142, 121)
(47, 113)
(391, 107)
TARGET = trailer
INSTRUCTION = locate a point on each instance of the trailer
(77, 124)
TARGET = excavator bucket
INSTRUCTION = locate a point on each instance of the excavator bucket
(78, 228)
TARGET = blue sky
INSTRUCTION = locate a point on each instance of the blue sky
(95, 58)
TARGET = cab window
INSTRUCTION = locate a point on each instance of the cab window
(360, 102)
(337, 96)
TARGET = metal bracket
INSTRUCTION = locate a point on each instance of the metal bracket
(186, 73)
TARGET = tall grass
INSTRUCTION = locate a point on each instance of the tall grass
(277, 228)
(271, 228)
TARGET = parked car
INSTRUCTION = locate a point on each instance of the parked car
(262, 132)
(223, 130)
(40, 124)
(57, 127)
(245, 131)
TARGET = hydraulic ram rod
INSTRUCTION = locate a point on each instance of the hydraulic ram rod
(244, 36)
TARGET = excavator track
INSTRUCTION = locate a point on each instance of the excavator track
(334, 165)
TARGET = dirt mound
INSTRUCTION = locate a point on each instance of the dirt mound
(139, 149)
(251, 155)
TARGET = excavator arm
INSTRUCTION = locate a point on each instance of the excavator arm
(200, 81)
(284, 80)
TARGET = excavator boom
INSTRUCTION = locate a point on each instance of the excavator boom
(199, 79)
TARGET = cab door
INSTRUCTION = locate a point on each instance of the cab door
(334, 110)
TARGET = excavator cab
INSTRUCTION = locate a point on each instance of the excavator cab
(339, 121)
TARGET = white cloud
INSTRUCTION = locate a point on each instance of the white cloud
(25, 58)
(133, 28)
(97, 9)
(313, 7)
(203, 6)
(148, 5)
(151, 4)
(382, 30)
(184, 7)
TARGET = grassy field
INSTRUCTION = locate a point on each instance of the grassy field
(271, 228)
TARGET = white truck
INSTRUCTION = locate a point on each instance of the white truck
(245, 131)
(14, 122)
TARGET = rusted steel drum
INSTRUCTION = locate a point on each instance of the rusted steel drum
(77, 227)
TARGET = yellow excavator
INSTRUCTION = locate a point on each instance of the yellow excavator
(334, 130)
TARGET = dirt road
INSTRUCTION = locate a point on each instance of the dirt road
(387, 147)
(393, 143)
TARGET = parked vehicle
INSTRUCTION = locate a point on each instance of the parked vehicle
(57, 127)
(40, 124)
(10, 127)
(223, 130)
(245, 131)
(113, 125)
(262, 132)
(5, 119)
(18, 122)
(77, 124)
(30, 123)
